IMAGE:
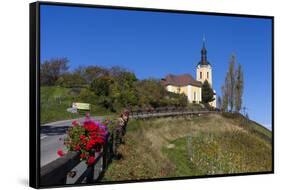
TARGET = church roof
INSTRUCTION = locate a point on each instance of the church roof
(204, 63)
(180, 80)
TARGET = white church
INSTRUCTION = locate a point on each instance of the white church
(187, 85)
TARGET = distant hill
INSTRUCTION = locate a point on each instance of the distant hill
(192, 146)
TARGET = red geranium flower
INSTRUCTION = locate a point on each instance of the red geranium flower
(89, 145)
(60, 152)
(84, 142)
(91, 160)
(93, 135)
(82, 137)
(83, 155)
(91, 126)
(74, 123)
(87, 138)
(77, 147)
(100, 140)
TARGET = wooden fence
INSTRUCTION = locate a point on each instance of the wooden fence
(167, 112)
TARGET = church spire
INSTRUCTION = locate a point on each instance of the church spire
(204, 53)
(203, 60)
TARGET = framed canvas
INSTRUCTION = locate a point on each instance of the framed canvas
(126, 94)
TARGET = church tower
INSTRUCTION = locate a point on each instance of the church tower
(204, 71)
(204, 68)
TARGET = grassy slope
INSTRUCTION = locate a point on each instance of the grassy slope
(159, 148)
(55, 101)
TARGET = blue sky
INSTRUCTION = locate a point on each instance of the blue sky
(154, 44)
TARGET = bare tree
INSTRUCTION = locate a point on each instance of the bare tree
(231, 82)
(52, 69)
(91, 73)
(224, 97)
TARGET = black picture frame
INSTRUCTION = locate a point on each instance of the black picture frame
(34, 98)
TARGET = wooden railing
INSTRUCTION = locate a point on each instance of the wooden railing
(68, 169)
(167, 112)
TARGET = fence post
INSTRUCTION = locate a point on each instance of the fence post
(91, 174)
(110, 148)
(114, 148)
(105, 154)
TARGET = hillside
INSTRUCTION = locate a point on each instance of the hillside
(192, 146)
(55, 100)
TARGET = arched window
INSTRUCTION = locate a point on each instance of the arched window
(207, 75)
(200, 75)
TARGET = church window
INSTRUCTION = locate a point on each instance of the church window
(200, 75)
(207, 75)
(194, 96)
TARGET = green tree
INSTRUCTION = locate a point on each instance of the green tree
(219, 102)
(207, 92)
(123, 89)
(128, 98)
(239, 87)
(86, 95)
(101, 85)
(107, 102)
(150, 92)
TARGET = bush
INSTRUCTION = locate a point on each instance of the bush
(101, 85)
(87, 96)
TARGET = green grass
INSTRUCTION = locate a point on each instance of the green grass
(191, 146)
(55, 100)
(222, 153)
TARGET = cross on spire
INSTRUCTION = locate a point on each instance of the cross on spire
(204, 40)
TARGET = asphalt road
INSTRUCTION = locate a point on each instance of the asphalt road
(52, 136)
